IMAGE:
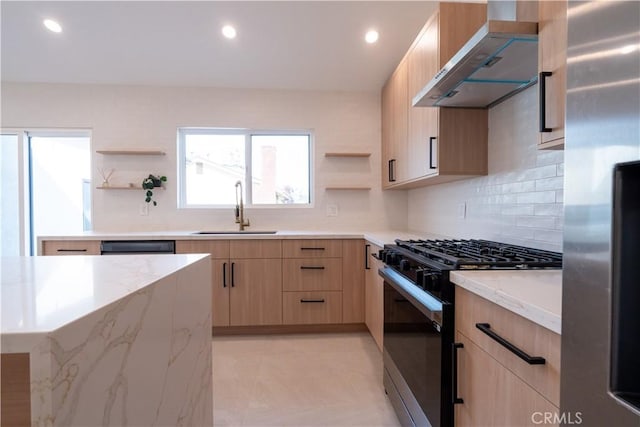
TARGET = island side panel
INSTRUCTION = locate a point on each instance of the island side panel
(142, 360)
(15, 386)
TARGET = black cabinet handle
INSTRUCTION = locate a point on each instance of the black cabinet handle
(311, 267)
(311, 249)
(224, 275)
(454, 370)
(366, 257)
(431, 165)
(305, 300)
(71, 250)
(392, 170)
(233, 278)
(531, 360)
(543, 100)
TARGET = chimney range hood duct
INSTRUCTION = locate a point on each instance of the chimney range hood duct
(500, 60)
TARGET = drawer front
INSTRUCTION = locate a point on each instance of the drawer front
(248, 249)
(312, 274)
(312, 248)
(219, 249)
(527, 336)
(309, 308)
(70, 247)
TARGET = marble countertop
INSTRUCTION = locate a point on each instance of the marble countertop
(379, 238)
(533, 294)
(42, 294)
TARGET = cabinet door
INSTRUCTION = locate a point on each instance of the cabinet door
(552, 57)
(395, 107)
(423, 121)
(353, 264)
(374, 291)
(493, 395)
(220, 282)
(256, 292)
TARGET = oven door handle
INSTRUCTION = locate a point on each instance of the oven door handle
(429, 305)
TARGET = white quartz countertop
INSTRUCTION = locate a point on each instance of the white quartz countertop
(42, 294)
(533, 294)
(379, 238)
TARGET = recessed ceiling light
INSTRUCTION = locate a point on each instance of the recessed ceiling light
(229, 32)
(371, 36)
(52, 25)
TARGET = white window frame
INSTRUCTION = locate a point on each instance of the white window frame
(248, 133)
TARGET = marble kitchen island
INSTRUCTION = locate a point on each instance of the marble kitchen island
(106, 340)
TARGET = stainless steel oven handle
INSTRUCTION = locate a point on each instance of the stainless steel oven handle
(425, 302)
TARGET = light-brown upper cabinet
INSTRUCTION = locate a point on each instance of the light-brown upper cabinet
(552, 68)
(441, 144)
(394, 127)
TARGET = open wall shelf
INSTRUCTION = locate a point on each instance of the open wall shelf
(347, 154)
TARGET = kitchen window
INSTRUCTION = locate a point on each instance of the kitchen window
(275, 163)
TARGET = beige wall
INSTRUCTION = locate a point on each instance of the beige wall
(148, 117)
(520, 201)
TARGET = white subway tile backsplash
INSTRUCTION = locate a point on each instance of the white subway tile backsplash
(551, 209)
(518, 210)
(550, 157)
(560, 169)
(559, 196)
(519, 187)
(549, 236)
(536, 221)
(537, 173)
(555, 183)
(537, 197)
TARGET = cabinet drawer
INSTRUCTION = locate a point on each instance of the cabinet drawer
(527, 336)
(312, 274)
(311, 307)
(312, 248)
(70, 247)
(248, 249)
(219, 249)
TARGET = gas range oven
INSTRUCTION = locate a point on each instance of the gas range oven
(418, 345)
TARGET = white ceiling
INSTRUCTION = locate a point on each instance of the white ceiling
(308, 45)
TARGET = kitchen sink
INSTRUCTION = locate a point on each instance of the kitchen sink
(235, 232)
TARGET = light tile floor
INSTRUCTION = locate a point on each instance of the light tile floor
(299, 380)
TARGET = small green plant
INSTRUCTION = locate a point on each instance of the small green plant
(149, 183)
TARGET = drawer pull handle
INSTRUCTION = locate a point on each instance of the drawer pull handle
(531, 360)
(304, 300)
(306, 267)
(71, 250)
(311, 249)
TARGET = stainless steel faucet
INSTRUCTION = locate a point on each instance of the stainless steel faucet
(240, 208)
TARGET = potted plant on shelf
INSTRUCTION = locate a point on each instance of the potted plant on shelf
(149, 183)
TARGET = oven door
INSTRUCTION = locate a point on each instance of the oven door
(414, 350)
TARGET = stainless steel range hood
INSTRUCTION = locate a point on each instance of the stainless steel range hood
(498, 61)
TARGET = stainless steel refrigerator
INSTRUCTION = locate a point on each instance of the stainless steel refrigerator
(600, 373)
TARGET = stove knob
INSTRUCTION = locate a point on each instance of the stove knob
(381, 254)
(393, 258)
(405, 265)
(420, 278)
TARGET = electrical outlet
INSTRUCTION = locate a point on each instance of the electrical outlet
(332, 210)
(144, 209)
(462, 210)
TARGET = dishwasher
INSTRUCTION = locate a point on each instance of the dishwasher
(122, 247)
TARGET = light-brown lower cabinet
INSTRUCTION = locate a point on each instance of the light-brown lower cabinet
(374, 295)
(497, 387)
(246, 280)
(70, 247)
